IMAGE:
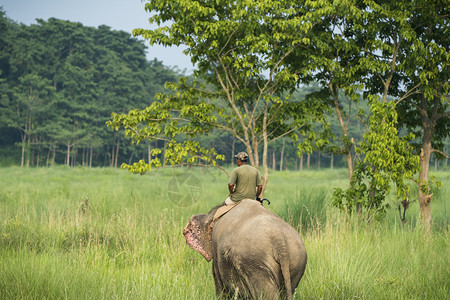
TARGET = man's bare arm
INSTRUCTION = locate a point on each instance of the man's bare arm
(230, 188)
(258, 191)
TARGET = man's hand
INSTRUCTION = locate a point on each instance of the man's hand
(258, 191)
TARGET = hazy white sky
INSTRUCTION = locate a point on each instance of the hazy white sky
(118, 14)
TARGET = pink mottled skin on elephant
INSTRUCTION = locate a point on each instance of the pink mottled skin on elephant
(192, 233)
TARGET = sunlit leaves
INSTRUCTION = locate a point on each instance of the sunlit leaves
(177, 154)
(388, 159)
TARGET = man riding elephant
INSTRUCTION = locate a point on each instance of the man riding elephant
(245, 181)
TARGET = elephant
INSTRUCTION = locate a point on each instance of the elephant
(255, 253)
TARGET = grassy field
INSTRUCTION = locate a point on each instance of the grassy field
(105, 234)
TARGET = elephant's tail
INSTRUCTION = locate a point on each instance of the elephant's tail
(284, 263)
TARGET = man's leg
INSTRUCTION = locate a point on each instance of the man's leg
(228, 201)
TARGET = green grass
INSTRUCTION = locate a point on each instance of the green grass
(127, 242)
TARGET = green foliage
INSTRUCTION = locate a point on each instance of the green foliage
(399, 57)
(388, 159)
(167, 119)
(242, 84)
(59, 83)
(426, 71)
(179, 154)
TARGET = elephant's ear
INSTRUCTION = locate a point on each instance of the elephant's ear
(198, 235)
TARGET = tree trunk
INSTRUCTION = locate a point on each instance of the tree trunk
(149, 148)
(28, 152)
(424, 193)
(265, 149)
(232, 152)
(164, 153)
(131, 157)
(332, 161)
(74, 157)
(23, 155)
(349, 165)
(424, 196)
(68, 155)
(274, 163)
(308, 160)
(48, 156)
(90, 157)
(37, 158)
(344, 127)
(53, 156)
(111, 163)
(282, 155)
(266, 171)
(117, 154)
(256, 153)
(318, 160)
(301, 162)
(429, 125)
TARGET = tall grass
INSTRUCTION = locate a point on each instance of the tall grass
(125, 241)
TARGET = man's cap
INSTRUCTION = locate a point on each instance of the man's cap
(242, 156)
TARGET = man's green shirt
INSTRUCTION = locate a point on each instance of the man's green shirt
(245, 180)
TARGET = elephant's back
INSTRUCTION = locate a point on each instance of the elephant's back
(248, 213)
(251, 225)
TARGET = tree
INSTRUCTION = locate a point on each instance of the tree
(241, 85)
(28, 94)
(405, 55)
(414, 34)
(333, 60)
(387, 158)
(425, 108)
(6, 46)
(74, 80)
(31, 106)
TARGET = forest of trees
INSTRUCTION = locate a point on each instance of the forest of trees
(61, 80)
(59, 83)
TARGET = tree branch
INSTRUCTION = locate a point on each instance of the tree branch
(280, 136)
(440, 152)
(229, 38)
(192, 165)
(408, 93)
(444, 115)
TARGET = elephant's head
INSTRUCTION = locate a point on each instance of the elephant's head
(198, 234)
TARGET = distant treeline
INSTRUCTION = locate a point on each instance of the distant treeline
(60, 81)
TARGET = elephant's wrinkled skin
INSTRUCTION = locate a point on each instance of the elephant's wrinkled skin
(255, 253)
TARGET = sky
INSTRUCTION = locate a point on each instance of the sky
(118, 14)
